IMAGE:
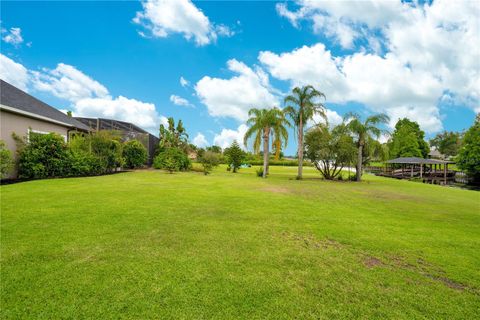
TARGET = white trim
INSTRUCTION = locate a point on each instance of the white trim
(35, 116)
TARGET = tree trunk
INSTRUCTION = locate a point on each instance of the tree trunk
(300, 148)
(266, 133)
(359, 162)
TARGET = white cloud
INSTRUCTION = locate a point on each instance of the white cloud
(12, 36)
(164, 17)
(184, 82)
(308, 65)
(225, 138)
(67, 82)
(235, 96)
(333, 118)
(179, 101)
(13, 72)
(200, 140)
(121, 108)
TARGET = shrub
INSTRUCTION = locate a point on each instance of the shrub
(135, 154)
(45, 155)
(235, 156)
(209, 160)
(6, 160)
(172, 159)
(259, 172)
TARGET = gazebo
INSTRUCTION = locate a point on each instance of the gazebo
(429, 170)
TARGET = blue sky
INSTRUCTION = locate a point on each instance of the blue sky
(96, 59)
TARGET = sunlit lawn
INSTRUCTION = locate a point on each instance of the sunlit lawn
(149, 244)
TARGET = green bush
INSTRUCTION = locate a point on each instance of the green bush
(135, 154)
(45, 155)
(6, 160)
(172, 159)
(209, 160)
(259, 172)
(286, 163)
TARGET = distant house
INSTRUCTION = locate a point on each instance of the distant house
(127, 130)
(20, 113)
(435, 154)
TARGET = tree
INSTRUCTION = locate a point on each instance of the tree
(408, 140)
(135, 154)
(363, 132)
(172, 159)
(468, 158)
(302, 105)
(447, 143)
(6, 160)
(329, 149)
(172, 136)
(263, 123)
(215, 149)
(235, 156)
(209, 160)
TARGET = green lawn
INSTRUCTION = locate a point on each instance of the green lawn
(149, 244)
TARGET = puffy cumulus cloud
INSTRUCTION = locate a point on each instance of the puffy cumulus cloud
(13, 72)
(164, 17)
(67, 82)
(437, 39)
(120, 108)
(308, 65)
(226, 137)
(179, 101)
(12, 36)
(200, 140)
(235, 96)
(344, 21)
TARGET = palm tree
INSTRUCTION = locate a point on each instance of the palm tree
(364, 131)
(302, 105)
(263, 123)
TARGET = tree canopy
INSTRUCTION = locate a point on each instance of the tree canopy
(469, 155)
(408, 140)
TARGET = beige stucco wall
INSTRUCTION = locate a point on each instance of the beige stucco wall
(11, 122)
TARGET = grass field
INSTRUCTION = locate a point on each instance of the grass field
(148, 244)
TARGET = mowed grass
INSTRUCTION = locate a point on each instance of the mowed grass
(148, 244)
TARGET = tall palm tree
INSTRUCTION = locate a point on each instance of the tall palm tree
(302, 105)
(364, 131)
(263, 123)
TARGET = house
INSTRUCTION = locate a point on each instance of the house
(21, 113)
(127, 130)
(435, 154)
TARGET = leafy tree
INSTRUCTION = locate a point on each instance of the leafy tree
(329, 149)
(363, 132)
(215, 149)
(408, 140)
(302, 105)
(447, 143)
(173, 136)
(6, 160)
(234, 155)
(172, 159)
(209, 160)
(263, 123)
(468, 158)
(135, 154)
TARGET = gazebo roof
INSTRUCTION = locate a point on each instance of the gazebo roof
(416, 160)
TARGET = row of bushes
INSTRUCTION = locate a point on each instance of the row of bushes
(48, 155)
(286, 163)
